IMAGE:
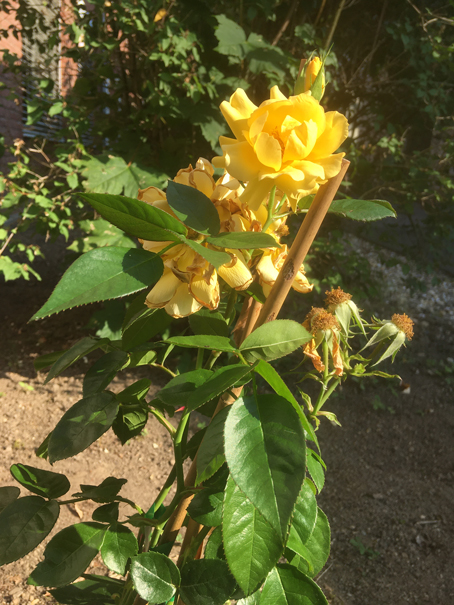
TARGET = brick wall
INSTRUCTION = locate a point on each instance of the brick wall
(10, 110)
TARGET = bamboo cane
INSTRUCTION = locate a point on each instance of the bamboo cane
(300, 247)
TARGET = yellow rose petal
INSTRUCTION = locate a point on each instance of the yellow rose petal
(276, 94)
(154, 246)
(182, 303)
(202, 181)
(257, 127)
(331, 165)
(268, 151)
(205, 291)
(294, 149)
(163, 291)
(256, 191)
(289, 123)
(236, 273)
(266, 269)
(241, 102)
(151, 195)
(334, 135)
(205, 165)
(301, 283)
(241, 159)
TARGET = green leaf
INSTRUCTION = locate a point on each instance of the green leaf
(287, 586)
(80, 349)
(111, 174)
(246, 239)
(193, 208)
(253, 599)
(274, 339)
(106, 491)
(206, 582)
(8, 494)
(222, 379)
(216, 258)
(102, 274)
(142, 329)
(99, 233)
(206, 507)
(209, 322)
(24, 524)
(178, 389)
(142, 355)
(211, 455)
(251, 545)
(303, 519)
(56, 108)
(136, 217)
(135, 392)
(119, 545)
(231, 38)
(44, 361)
(203, 341)
(214, 548)
(107, 513)
(155, 577)
(93, 591)
(68, 554)
(316, 468)
(315, 552)
(81, 425)
(130, 422)
(363, 210)
(44, 483)
(269, 466)
(267, 372)
(103, 371)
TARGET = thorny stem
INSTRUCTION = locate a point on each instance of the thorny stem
(177, 446)
(326, 379)
(212, 359)
(159, 365)
(326, 395)
(199, 362)
(165, 488)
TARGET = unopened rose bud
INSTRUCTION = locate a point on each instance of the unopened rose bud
(311, 78)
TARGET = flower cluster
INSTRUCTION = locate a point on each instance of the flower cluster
(283, 150)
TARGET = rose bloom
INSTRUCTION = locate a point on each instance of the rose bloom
(189, 282)
(289, 143)
(269, 267)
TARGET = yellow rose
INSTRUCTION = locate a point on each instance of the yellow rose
(289, 143)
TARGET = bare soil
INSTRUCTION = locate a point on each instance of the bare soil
(389, 486)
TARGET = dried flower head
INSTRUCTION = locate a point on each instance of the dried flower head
(404, 323)
(319, 319)
(324, 327)
(336, 297)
